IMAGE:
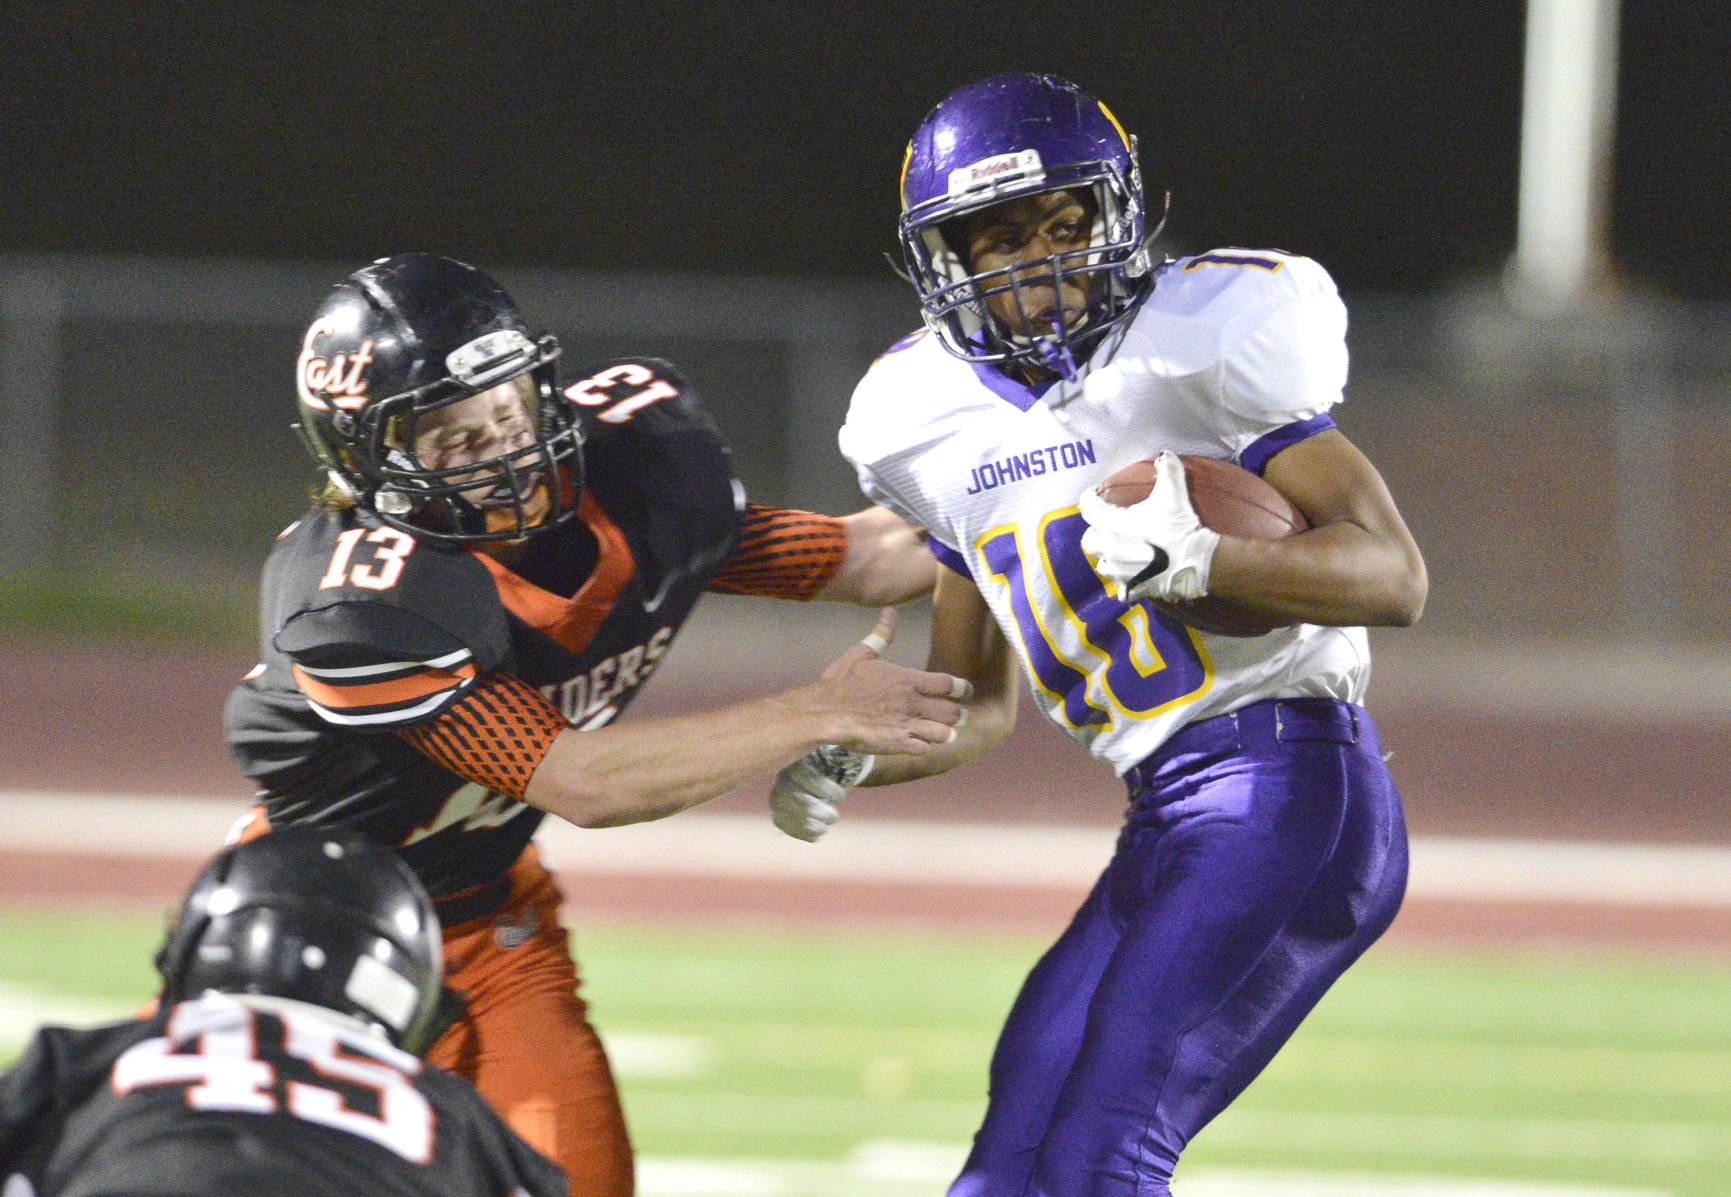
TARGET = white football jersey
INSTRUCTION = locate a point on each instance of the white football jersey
(1236, 354)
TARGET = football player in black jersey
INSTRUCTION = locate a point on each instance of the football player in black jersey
(497, 564)
(303, 974)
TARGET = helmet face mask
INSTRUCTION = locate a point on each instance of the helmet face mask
(990, 144)
(317, 916)
(411, 336)
(491, 498)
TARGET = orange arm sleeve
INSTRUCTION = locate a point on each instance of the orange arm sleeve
(783, 553)
(495, 736)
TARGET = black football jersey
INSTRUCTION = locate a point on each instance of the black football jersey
(366, 630)
(221, 1096)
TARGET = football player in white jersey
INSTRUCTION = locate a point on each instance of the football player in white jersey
(1264, 848)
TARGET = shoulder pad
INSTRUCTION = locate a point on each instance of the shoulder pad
(1239, 277)
(642, 391)
(905, 342)
(357, 635)
(1283, 340)
(657, 463)
(376, 623)
(368, 666)
(362, 578)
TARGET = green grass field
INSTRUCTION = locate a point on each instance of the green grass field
(786, 1063)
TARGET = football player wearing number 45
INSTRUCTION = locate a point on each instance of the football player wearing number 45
(301, 979)
(1264, 847)
(495, 568)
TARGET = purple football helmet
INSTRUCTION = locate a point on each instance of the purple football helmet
(1001, 139)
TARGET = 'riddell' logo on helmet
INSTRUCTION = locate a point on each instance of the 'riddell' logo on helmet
(336, 380)
(1018, 167)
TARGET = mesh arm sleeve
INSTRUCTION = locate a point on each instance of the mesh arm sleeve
(495, 736)
(783, 553)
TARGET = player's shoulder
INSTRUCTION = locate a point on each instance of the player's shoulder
(641, 395)
(1269, 325)
(912, 355)
(914, 381)
(75, 1049)
(60, 1063)
(910, 347)
(353, 543)
(1222, 283)
(353, 560)
(347, 591)
(59, 1069)
(645, 425)
(656, 459)
(911, 384)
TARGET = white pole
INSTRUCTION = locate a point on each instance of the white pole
(1567, 120)
(1562, 254)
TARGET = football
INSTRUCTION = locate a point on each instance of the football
(1233, 502)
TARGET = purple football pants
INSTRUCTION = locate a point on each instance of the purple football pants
(1263, 852)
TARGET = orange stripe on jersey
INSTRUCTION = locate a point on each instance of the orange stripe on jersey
(395, 692)
(571, 622)
(495, 736)
(783, 553)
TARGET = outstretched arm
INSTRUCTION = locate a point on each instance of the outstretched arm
(504, 735)
(805, 800)
(642, 771)
(873, 557)
(887, 561)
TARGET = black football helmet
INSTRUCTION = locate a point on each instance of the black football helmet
(411, 334)
(322, 916)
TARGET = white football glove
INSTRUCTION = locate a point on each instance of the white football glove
(1157, 548)
(805, 800)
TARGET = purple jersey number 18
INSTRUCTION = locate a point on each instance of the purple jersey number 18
(1142, 663)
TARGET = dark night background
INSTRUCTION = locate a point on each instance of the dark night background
(1381, 139)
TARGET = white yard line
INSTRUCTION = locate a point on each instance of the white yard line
(901, 1169)
(1485, 1141)
(907, 853)
(895, 1168)
(23, 1010)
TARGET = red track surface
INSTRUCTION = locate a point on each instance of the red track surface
(131, 719)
